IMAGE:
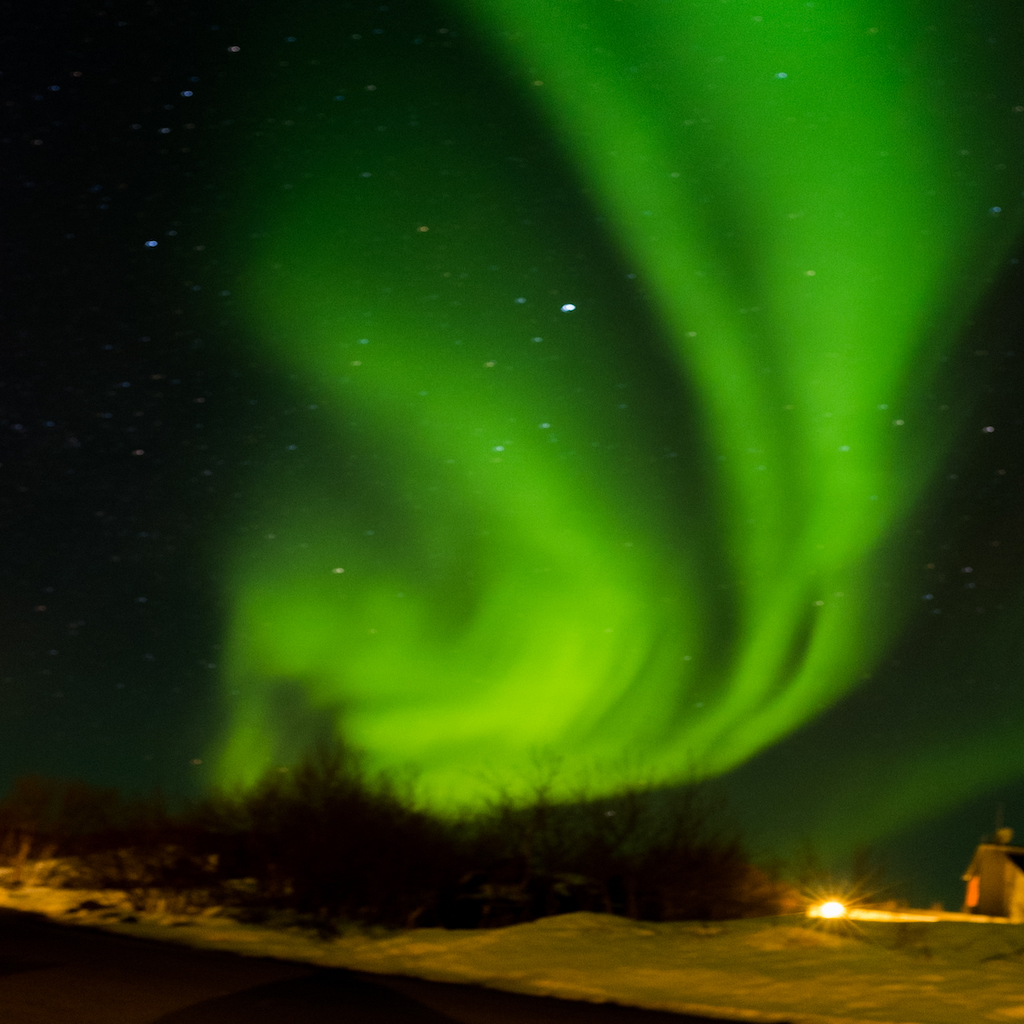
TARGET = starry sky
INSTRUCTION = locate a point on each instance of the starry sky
(165, 421)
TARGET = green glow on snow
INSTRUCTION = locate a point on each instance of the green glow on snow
(810, 208)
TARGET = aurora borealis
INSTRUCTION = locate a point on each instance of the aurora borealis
(812, 215)
(289, 292)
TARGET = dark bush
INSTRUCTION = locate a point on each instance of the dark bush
(645, 853)
(323, 842)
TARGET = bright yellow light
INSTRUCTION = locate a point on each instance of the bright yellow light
(833, 908)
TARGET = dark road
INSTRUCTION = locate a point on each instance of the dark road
(54, 974)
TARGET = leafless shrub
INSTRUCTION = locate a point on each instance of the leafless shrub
(324, 842)
(644, 852)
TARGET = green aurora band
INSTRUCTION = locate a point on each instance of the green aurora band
(538, 561)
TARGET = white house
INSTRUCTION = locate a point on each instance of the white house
(995, 879)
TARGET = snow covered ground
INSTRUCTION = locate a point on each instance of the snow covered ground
(793, 969)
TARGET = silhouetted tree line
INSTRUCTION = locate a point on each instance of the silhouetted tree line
(325, 843)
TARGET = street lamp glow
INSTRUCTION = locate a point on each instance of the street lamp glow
(831, 909)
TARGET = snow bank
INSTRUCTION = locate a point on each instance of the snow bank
(766, 970)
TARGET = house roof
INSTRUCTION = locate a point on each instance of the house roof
(1015, 854)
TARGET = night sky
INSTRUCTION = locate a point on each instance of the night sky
(290, 291)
